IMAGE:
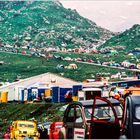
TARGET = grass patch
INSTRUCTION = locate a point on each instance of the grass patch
(27, 66)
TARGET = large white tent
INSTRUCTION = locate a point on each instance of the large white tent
(46, 80)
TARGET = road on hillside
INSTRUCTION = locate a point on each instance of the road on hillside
(121, 68)
(19, 53)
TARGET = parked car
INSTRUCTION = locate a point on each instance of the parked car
(89, 93)
(6, 135)
(24, 129)
(54, 129)
(90, 61)
(98, 118)
(131, 117)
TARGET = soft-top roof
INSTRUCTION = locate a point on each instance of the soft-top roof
(99, 102)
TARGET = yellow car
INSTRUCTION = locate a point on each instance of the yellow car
(21, 129)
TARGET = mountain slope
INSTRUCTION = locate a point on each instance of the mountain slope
(130, 39)
(41, 23)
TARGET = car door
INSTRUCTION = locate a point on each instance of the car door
(79, 125)
(104, 121)
(126, 121)
(69, 121)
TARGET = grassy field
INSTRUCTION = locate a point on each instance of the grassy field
(26, 66)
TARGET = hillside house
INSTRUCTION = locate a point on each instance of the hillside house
(79, 50)
(125, 63)
(94, 51)
(138, 65)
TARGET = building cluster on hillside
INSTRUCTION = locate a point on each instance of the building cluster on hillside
(46, 53)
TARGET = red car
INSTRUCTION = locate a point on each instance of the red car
(54, 129)
(92, 119)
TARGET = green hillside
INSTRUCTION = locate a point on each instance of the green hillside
(130, 39)
(47, 24)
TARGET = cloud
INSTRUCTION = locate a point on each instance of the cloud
(112, 15)
(103, 12)
(123, 17)
(130, 3)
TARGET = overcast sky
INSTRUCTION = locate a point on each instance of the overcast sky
(113, 15)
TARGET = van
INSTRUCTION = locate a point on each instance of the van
(89, 93)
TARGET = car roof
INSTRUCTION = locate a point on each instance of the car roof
(99, 102)
(25, 122)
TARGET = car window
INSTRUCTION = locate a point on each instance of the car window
(30, 125)
(137, 112)
(26, 125)
(88, 112)
(126, 121)
(59, 126)
(100, 113)
(78, 116)
(70, 116)
(104, 113)
(118, 110)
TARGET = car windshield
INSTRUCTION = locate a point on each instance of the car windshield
(26, 125)
(59, 126)
(118, 110)
(101, 112)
